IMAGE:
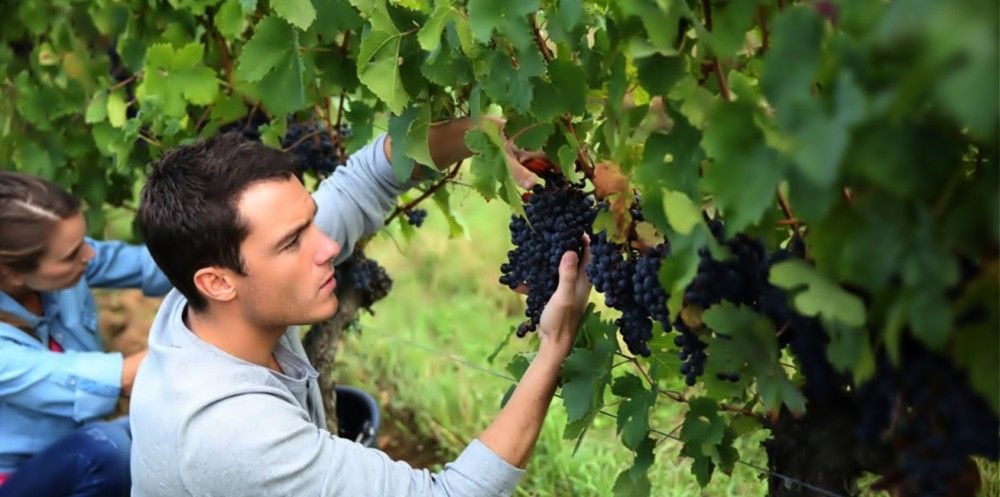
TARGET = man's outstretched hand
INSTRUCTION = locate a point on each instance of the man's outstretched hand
(561, 316)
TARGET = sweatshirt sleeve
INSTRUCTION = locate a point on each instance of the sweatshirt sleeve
(121, 265)
(354, 201)
(77, 385)
(288, 455)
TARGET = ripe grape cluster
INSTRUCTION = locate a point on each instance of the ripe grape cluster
(629, 280)
(743, 280)
(926, 409)
(557, 216)
(416, 217)
(311, 144)
(368, 278)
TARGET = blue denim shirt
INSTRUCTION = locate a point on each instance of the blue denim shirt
(46, 395)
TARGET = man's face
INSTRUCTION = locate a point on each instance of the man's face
(288, 261)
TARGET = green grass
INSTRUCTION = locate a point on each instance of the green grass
(446, 304)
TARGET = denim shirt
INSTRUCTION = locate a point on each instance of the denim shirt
(45, 395)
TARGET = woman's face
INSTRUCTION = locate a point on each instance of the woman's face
(65, 258)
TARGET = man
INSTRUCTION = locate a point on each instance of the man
(226, 402)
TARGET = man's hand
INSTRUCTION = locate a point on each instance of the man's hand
(560, 320)
(129, 368)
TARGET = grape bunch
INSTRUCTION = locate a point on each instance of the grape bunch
(311, 144)
(368, 278)
(630, 284)
(926, 409)
(558, 215)
(629, 280)
(646, 284)
(416, 217)
(743, 280)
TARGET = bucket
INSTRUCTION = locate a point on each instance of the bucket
(358, 415)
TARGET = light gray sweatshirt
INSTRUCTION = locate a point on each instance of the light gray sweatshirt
(205, 423)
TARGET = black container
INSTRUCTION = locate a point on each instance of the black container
(359, 416)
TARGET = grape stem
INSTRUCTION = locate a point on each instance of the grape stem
(581, 157)
(123, 83)
(706, 7)
(302, 139)
(678, 397)
(430, 191)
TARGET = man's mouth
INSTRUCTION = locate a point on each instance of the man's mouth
(329, 283)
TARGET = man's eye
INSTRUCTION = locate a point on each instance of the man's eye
(294, 243)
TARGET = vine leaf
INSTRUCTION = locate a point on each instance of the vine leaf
(176, 77)
(300, 13)
(633, 414)
(815, 295)
(587, 372)
(634, 481)
(745, 171)
(378, 58)
(753, 345)
(266, 49)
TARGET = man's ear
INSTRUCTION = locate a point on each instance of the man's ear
(215, 283)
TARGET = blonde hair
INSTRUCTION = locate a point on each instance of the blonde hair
(30, 208)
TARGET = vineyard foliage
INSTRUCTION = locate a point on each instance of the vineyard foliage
(854, 144)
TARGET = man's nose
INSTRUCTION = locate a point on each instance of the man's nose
(328, 250)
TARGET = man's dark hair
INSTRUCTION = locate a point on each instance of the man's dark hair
(188, 213)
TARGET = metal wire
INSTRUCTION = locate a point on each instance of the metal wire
(787, 479)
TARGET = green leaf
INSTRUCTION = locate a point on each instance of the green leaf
(174, 78)
(409, 138)
(229, 19)
(378, 59)
(508, 17)
(299, 13)
(510, 86)
(97, 109)
(283, 89)
(745, 172)
(116, 109)
(753, 345)
(633, 413)
(571, 81)
(820, 296)
(681, 212)
(658, 74)
(429, 35)
(634, 481)
(587, 370)
(334, 16)
(267, 49)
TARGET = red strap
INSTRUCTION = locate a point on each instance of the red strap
(54, 347)
(3, 477)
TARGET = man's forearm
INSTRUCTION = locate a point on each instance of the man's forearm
(513, 434)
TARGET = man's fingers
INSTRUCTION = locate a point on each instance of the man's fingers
(583, 284)
(568, 270)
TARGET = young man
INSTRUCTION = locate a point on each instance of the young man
(226, 402)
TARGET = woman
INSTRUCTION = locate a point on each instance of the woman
(56, 382)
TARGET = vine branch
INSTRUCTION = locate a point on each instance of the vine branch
(430, 191)
(581, 157)
(678, 397)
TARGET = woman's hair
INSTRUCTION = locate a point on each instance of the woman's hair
(30, 208)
